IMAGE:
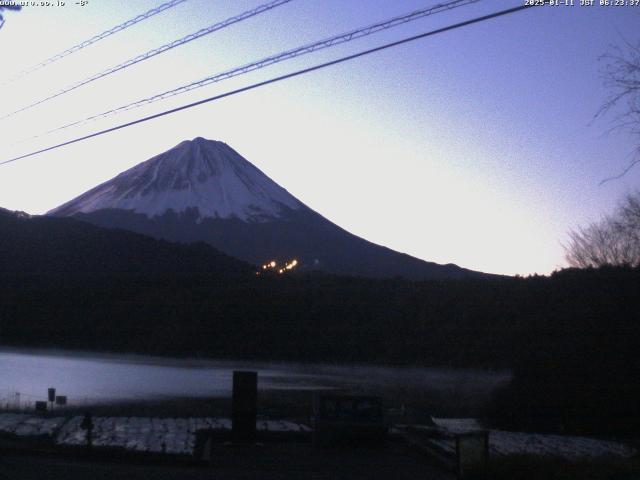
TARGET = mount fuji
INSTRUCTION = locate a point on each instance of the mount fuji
(203, 190)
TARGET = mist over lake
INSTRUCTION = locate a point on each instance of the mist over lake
(87, 378)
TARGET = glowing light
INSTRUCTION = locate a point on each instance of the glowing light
(280, 269)
(291, 266)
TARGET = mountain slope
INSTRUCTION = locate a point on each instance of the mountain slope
(203, 190)
(62, 246)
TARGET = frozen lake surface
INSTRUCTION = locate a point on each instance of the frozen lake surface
(95, 378)
(108, 378)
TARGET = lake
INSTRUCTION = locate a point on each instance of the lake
(87, 378)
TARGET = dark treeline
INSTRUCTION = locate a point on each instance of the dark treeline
(66, 247)
(578, 368)
(571, 338)
(488, 323)
(305, 318)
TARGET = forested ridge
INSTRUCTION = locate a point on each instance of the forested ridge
(571, 338)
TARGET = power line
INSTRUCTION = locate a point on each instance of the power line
(274, 80)
(265, 62)
(7, 7)
(94, 39)
(156, 51)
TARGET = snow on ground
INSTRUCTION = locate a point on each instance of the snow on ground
(143, 434)
(503, 443)
(10, 421)
(25, 425)
(169, 435)
(509, 443)
(177, 435)
(458, 425)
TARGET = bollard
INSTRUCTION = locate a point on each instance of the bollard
(87, 424)
(41, 406)
(244, 408)
(472, 455)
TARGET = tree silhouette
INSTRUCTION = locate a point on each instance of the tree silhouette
(612, 241)
(621, 78)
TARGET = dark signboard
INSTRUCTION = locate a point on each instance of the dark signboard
(343, 419)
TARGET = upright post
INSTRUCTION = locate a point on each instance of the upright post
(244, 407)
(472, 452)
(52, 396)
(87, 424)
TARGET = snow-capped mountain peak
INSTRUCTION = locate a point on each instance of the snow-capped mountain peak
(203, 174)
(240, 211)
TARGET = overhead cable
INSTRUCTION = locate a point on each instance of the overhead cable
(280, 57)
(273, 80)
(156, 51)
(94, 39)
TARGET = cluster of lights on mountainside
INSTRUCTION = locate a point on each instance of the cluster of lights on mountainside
(273, 267)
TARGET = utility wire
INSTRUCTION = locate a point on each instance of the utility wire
(156, 51)
(7, 7)
(94, 39)
(265, 62)
(274, 80)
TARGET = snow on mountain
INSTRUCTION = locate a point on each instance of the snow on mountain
(203, 174)
(202, 190)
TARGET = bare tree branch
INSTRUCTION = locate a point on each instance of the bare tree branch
(614, 240)
(621, 77)
(623, 173)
